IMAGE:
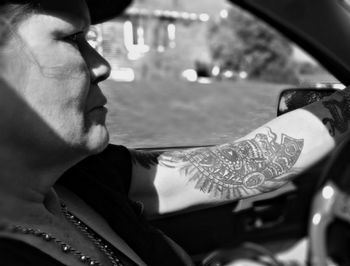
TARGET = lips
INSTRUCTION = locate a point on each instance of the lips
(97, 100)
(98, 107)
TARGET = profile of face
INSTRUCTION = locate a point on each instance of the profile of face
(50, 66)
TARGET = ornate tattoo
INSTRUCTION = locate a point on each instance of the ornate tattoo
(240, 169)
(340, 116)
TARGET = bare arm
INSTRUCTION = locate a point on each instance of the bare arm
(262, 161)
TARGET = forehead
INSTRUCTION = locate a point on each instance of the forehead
(70, 10)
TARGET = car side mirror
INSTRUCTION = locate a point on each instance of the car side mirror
(294, 98)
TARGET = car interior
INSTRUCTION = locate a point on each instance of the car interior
(268, 225)
(260, 228)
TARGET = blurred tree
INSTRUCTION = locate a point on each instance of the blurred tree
(242, 43)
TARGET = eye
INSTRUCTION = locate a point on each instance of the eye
(74, 38)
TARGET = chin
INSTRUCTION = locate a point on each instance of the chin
(97, 141)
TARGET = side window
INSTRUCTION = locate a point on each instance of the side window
(195, 72)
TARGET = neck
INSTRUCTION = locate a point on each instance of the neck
(20, 193)
(27, 184)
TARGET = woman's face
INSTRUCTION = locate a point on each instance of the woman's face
(54, 71)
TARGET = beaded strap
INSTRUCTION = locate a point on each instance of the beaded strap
(66, 248)
(63, 246)
(102, 245)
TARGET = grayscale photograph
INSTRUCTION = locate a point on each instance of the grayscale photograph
(174, 132)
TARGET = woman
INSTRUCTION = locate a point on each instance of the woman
(69, 198)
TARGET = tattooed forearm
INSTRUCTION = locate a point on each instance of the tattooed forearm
(240, 169)
(340, 114)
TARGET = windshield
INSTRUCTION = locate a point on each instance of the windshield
(195, 72)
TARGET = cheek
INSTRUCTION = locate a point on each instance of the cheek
(64, 64)
(54, 81)
(15, 66)
(59, 101)
(63, 75)
(57, 58)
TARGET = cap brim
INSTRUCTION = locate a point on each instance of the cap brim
(103, 10)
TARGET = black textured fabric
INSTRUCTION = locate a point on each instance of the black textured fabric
(17, 253)
(102, 181)
(103, 10)
(100, 10)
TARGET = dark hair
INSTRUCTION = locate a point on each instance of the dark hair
(11, 14)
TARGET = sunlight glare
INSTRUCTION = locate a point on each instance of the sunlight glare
(316, 219)
(327, 192)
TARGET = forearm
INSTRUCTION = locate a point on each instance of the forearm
(262, 161)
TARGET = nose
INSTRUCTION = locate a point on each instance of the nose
(98, 66)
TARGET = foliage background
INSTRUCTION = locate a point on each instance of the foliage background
(236, 43)
(160, 109)
(242, 43)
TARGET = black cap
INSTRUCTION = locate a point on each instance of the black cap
(103, 10)
(100, 10)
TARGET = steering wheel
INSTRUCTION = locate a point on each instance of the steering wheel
(331, 204)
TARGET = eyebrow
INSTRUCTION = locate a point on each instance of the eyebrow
(82, 22)
(85, 21)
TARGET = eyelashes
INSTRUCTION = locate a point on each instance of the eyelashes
(75, 38)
